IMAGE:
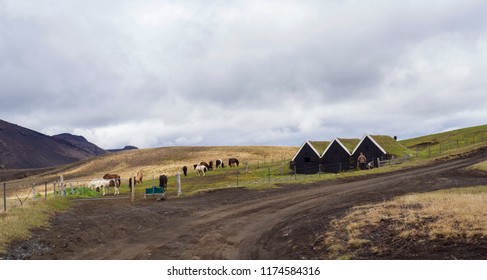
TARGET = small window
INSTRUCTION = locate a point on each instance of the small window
(307, 159)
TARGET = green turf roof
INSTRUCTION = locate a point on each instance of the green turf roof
(320, 146)
(350, 143)
(390, 145)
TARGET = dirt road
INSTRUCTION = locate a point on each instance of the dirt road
(282, 223)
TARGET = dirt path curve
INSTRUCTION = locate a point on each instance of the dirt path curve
(229, 224)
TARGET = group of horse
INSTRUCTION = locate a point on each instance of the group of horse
(113, 180)
(204, 167)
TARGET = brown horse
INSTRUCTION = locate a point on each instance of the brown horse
(232, 162)
(163, 181)
(138, 177)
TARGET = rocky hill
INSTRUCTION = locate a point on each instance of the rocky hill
(23, 148)
(80, 142)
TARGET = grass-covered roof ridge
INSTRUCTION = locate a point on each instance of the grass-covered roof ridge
(390, 145)
(349, 143)
(320, 146)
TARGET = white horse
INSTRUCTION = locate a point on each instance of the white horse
(103, 185)
(200, 170)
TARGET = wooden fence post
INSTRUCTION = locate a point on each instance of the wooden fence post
(45, 190)
(132, 194)
(4, 197)
(34, 191)
(178, 179)
(61, 187)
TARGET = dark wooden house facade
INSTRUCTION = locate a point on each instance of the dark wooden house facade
(372, 150)
(341, 154)
(308, 158)
(336, 157)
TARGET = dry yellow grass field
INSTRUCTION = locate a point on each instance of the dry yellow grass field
(455, 213)
(167, 160)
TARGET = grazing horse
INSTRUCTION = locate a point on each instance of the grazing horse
(205, 164)
(163, 181)
(114, 182)
(233, 162)
(138, 177)
(201, 170)
(116, 178)
(219, 163)
(97, 184)
(185, 170)
(103, 185)
(211, 165)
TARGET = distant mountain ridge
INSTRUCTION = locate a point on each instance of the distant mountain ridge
(80, 142)
(22, 148)
(126, 148)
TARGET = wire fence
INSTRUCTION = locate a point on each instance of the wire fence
(434, 148)
(19, 194)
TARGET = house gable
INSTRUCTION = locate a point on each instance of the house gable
(305, 145)
(307, 159)
(336, 157)
(370, 148)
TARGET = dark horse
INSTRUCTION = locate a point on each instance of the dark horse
(185, 170)
(163, 181)
(232, 162)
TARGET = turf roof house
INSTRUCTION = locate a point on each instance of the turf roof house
(336, 157)
(308, 158)
(377, 147)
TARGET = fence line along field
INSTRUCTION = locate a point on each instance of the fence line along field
(167, 160)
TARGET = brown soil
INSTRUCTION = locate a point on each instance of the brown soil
(283, 223)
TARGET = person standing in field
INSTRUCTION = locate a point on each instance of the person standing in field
(361, 161)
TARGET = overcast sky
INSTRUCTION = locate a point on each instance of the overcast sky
(165, 73)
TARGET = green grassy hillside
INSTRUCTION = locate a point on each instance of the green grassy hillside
(439, 143)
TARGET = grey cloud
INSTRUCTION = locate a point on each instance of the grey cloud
(264, 71)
